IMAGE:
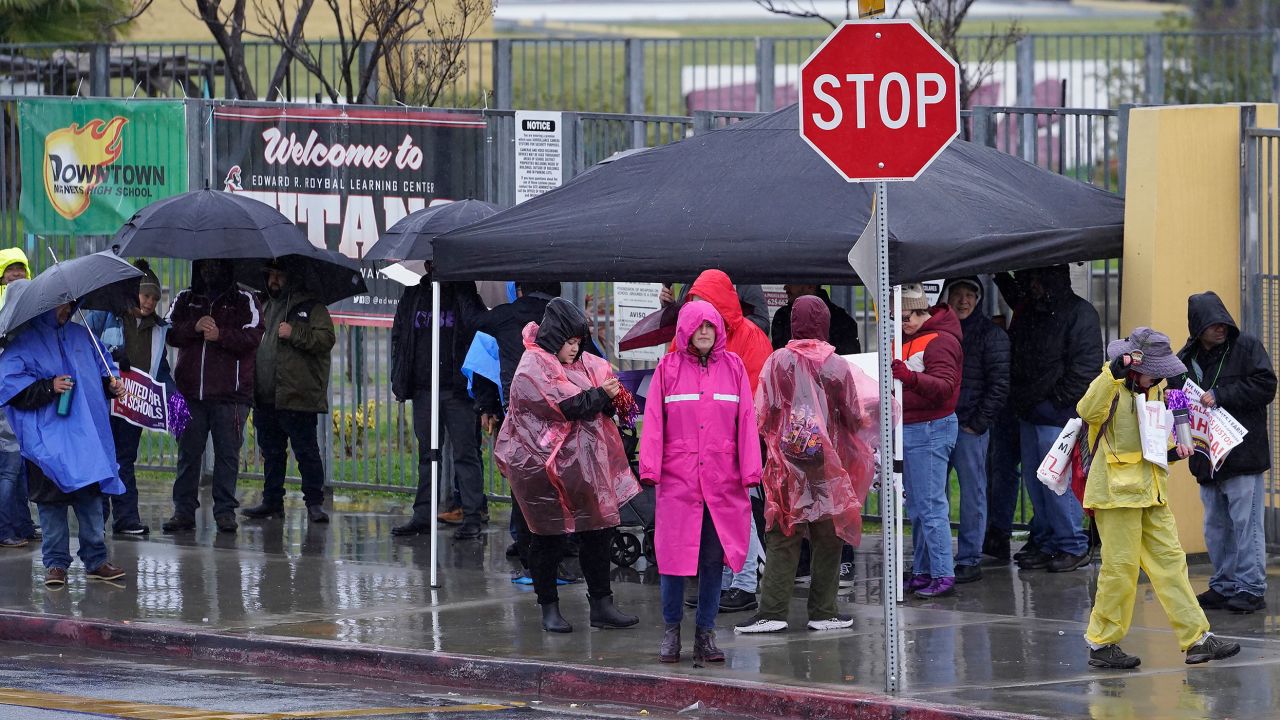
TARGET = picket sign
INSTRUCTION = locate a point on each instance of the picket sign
(1055, 469)
(1155, 425)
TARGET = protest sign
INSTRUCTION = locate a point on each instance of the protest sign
(144, 402)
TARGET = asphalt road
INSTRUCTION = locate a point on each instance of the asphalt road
(44, 685)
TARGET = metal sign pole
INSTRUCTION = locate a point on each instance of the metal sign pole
(435, 432)
(889, 475)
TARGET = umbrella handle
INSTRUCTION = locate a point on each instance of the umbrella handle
(96, 344)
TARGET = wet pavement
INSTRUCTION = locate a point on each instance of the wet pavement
(1010, 642)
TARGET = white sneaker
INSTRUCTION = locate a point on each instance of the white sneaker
(758, 624)
(838, 622)
(846, 575)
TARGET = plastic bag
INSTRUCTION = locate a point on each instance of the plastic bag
(1055, 469)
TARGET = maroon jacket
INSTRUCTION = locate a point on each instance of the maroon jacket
(933, 393)
(219, 371)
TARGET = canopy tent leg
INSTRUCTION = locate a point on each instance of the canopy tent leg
(435, 431)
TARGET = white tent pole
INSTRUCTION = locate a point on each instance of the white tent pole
(897, 436)
(435, 430)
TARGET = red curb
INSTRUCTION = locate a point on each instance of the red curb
(521, 677)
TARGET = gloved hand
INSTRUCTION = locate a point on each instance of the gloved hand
(121, 358)
(902, 372)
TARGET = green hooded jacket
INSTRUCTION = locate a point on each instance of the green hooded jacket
(293, 374)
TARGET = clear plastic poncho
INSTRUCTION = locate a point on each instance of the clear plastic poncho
(819, 416)
(568, 476)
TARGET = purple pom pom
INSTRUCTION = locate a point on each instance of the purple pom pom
(179, 414)
(1176, 400)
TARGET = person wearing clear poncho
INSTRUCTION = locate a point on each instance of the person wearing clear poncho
(817, 415)
(561, 452)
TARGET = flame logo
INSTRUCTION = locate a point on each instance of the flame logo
(75, 159)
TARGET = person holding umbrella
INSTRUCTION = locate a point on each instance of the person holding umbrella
(291, 389)
(55, 380)
(216, 328)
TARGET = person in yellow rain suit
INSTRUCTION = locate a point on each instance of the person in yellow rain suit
(1129, 499)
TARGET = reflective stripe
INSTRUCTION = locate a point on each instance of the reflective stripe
(728, 398)
(680, 398)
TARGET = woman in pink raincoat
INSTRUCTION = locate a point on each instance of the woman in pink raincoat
(701, 448)
(817, 414)
(563, 456)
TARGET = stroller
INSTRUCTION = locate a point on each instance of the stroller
(635, 533)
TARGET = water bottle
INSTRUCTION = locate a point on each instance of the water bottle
(64, 401)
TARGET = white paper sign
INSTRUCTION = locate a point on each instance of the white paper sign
(1155, 424)
(632, 302)
(539, 153)
(1215, 432)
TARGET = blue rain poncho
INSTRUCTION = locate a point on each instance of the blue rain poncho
(75, 450)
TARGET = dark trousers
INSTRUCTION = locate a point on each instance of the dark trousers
(1004, 479)
(225, 422)
(546, 552)
(710, 565)
(125, 507)
(277, 429)
(459, 416)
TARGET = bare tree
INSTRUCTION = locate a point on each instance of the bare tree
(976, 54)
(226, 22)
(417, 74)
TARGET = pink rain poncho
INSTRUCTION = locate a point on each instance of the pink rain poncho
(568, 476)
(818, 415)
(700, 446)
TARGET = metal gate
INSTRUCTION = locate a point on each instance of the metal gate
(1260, 273)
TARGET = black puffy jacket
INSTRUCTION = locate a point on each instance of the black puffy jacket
(1056, 346)
(984, 388)
(1243, 382)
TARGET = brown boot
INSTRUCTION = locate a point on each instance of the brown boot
(704, 646)
(670, 650)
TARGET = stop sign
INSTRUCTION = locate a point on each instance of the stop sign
(879, 100)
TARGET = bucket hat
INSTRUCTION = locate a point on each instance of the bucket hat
(1158, 359)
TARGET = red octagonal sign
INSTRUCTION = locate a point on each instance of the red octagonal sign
(879, 100)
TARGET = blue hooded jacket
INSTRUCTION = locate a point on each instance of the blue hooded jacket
(75, 450)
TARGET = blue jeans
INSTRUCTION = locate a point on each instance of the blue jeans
(710, 565)
(55, 548)
(926, 449)
(1233, 532)
(15, 511)
(969, 458)
(1059, 528)
(746, 580)
(1006, 479)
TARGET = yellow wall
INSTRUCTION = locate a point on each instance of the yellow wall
(1182, 236)
(170, 21)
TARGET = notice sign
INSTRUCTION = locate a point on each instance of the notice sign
(539, 153)
(144, 402)
(1214, 431)
(632, 302)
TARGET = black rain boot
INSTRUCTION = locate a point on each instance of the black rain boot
(669, 652)
(553, 621)
(605, 615)
(704, 646)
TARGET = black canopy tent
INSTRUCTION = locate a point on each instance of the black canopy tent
(753, 200)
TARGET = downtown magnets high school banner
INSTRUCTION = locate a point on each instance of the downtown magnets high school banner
(89, 165)
(345, 175)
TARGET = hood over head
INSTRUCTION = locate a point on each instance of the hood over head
(1056, 281)
(716, 288)
(1205, 309)
(810, 319)
(692, 315)
(9, 256)
(198, 283)
(561, 321)
(970, 281)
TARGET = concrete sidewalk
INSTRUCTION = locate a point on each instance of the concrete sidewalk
(349, 597)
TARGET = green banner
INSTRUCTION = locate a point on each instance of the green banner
(89, 165)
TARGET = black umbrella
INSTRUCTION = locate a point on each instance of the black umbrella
(101, 281)
(210, 224)
(755, 201)
(411, 238)
(330, 278)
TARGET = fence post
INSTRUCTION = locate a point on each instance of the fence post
(503, 82)
(765, 68)
(1155, 69)
(703, 121)
(1026, 70)
(1250, 240)
(1275, 66)
(1122, 146)
(100, 70)
(366, 60)
(634, 48)
(984, 131)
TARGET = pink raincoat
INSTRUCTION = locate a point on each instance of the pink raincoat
(568, 476)
(700, 447)
(818, 415)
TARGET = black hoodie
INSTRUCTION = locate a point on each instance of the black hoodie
(1243, 382)
(561, 322)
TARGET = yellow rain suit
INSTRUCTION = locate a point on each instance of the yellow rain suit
(1129, 499)
(9, 256)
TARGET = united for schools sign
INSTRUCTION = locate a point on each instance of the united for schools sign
(89, 165)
